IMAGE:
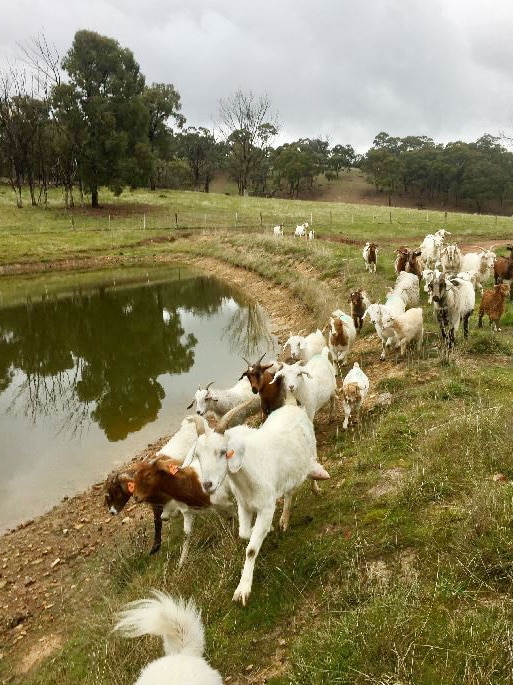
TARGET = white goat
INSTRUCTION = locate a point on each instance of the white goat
(481, 263)
(221, 401)
(300, 231)
(432, 245)
(311, 235)
(394, 304)
(471, 276)
(408, 327)
(278, 230)
(428, 275)
(305, 348)
(341, 336)
(450, 257)
(263, 464)
(355, 387)
(313, 383)
(453, 302)
(179, 625)
(407, 288)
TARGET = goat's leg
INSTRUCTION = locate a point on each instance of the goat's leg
(263, 524)
(188, 521)
(465, 324)
(285, 514)
(157, 528)
(245, 522)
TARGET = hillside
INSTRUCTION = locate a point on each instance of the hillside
(399, 572)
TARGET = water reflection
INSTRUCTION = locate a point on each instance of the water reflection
(97, 355)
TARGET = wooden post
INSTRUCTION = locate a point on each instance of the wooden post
(311, 218)
(331, 218)
(109, 222)
(144, 222)
(236, 217)
(390, 217)
(176, 219)
(260, 219)
(445, 216)
(205, 220)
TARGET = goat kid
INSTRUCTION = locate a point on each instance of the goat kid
(408, 327)
(493, 303)
(179, 625)
(370, 256)
(341, 336)
(503, 269)
(305, 348)
(355, 387)
(359, 302)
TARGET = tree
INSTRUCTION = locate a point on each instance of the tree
(294, 162)
(198, 146)
(248, 128)
(162, 102)
(341, 157)
(108, 87)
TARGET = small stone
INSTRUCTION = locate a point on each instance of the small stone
(54, 563)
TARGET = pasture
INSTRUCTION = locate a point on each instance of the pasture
(401, 570)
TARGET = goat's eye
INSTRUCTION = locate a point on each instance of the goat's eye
(222, 453)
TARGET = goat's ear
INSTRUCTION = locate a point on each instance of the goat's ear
(244, 375)
(234, 458)
(189, 406)
(130, 486)
(189, 457)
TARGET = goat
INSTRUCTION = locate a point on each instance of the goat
(311, 235)
(305, 347)
(359, 302)
(431, 247)
(355, 387)
(179, 625)
(341, 336)
(427, 276)
(482, 263)
(493, 303)
(407, 288)
(450, 258)
(260, 376)
(453, 302)
(503, 269)
(117, 486)
(278, 230)
(395, 305)
(220, 401)
(163, 483)
(408, 327)
(262, 465)
(370, 256)
(313, 383)
(470, 276)
(300, 231)
(402, 259)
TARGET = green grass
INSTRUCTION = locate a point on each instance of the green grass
(401, 571)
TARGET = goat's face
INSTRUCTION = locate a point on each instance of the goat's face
(487, 259)
(203, 398)
(356, 298)
(351, 393)
(439, 287)
(255, 376)
(296, 344)
(116, 492)
(387, 320)
(502, 289)
(292, 375)
(374, 313)
(211, 451)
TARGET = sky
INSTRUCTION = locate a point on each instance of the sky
(334, 69)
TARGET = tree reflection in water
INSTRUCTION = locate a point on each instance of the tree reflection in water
(97, 355)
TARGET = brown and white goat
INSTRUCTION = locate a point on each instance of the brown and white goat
(272, 395)
(409, 261)
(359, 302)
(493, 303)
(370, 256)
(341, 336)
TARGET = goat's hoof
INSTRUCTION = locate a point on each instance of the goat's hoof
(241, 595)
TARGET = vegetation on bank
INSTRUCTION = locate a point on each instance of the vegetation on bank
(401, 571)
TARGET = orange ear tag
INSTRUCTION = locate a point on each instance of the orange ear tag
(130, 486)
(230, 453)
(173, 469)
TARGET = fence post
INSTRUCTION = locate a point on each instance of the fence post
(331, 218)
(261, 220)
(236, 217)
(144, 222)
(445, 216)
(390, 217)
(109, 222)
(311, 218)
(176, 219)
(205, 220)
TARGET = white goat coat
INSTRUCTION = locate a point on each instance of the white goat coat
(408, 327)
(394, 305)
(219, 402)
(306, 347)
(181, 442)
(407, 288)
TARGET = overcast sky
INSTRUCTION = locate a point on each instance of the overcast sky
(338, 69)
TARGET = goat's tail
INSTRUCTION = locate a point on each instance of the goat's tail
(176, 621)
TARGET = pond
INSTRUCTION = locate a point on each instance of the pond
(94, 366)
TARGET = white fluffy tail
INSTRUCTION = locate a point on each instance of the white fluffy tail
(177, 622)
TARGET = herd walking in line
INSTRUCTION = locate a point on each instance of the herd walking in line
(224, 464)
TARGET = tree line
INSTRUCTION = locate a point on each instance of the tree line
(90, 120)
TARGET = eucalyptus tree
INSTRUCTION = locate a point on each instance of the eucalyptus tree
(294, 163)
(202, 153)
(108, 87)
(248, 127)
(341, 157)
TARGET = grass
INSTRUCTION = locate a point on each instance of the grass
(401, 572)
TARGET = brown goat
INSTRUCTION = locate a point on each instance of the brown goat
(272, 395)
(117, 494)
(503, 269)
(493, 303)
(359, 302)
(402, 259)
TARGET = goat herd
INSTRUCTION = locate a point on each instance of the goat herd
(204, 468)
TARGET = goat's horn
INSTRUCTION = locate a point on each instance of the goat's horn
(200, 424)
(238, 414)
(208, 386)
(258, 362)
(244, 359)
